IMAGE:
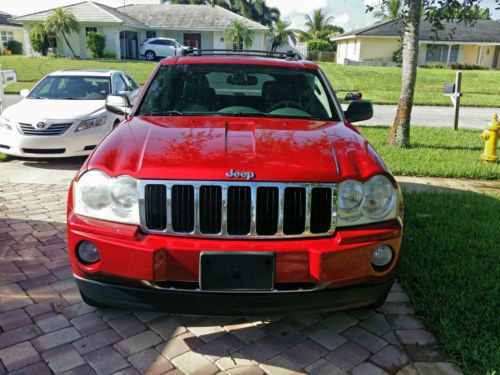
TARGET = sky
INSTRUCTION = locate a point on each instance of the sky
(350, 14)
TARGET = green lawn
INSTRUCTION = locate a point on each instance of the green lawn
(382, 85)
(450, 267)
(379, 84)
(30, 70)
(435, 152)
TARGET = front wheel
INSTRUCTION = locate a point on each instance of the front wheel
(150, 56)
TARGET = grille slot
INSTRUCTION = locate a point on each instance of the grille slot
(235, 209)
(267, 210)
(210, 209)
(239, 205)
(321, 210)
(294, 216)
(156, 207)
(51, 130)
(183, 208)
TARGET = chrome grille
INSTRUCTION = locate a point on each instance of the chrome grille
(237, 209)
(53, 129)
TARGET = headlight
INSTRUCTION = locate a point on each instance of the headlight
(373, 201)
(91, 123)
(102, 197)
(5, 123)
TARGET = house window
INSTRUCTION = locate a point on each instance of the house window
(150, 34)
(439, 53)
(89, 30)
(6, 37)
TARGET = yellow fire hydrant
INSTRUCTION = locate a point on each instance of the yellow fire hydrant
(490, 136)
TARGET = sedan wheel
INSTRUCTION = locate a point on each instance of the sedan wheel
(150, 56)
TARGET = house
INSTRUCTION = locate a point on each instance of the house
(477, 43)
(9, 31)
(201, 26)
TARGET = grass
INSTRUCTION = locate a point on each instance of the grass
(378, 84)
(31, 70)
(450, 267)
(382, 85)
(435, 152)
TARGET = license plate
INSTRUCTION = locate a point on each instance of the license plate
(236, 271)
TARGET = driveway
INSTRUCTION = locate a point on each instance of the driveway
(46, 328)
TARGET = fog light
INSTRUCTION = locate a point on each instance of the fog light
(88, 252)
(382, 257)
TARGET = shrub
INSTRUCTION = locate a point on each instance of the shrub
(397, 56)
(15, 46)
(96, 42)
(109, 55)
(319, 45)
(39, 40)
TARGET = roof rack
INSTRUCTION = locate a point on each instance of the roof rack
(289, 55)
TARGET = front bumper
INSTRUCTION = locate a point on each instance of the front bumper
(230, 304)
(59, 146)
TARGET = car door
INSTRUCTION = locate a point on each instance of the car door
(161, 47)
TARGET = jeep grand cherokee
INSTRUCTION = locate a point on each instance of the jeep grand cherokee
(236, 185)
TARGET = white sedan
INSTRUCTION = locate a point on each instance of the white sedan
(64, 114)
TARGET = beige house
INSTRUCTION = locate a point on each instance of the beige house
(201, 26)
(9, 31)
(469, 44)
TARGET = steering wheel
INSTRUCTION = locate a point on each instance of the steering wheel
(285, 103)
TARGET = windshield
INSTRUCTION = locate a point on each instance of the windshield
(237, 90)
(72, 88)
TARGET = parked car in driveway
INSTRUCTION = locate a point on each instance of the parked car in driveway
(64, 114)
(236, 185)
(154, 48)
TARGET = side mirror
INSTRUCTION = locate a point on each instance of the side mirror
(350, 96)
(24, 93)
(359, 111)
(119, 104)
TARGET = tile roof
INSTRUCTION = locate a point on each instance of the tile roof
(86, 11)
(186, 16)
(4, 20)
(478, 32)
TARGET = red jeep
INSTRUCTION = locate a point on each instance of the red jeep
(236, 185)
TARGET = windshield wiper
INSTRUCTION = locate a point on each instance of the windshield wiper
(166, 113)
(36, 97)
(249, 114)
(72, 98)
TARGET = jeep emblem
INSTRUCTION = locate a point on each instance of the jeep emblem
(236, 174)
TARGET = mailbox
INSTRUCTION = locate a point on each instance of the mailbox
(449, 88)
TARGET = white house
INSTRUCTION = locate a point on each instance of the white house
(201, 26)
(477, 43)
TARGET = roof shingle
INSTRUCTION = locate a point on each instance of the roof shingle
(478, 32)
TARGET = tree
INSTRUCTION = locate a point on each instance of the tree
(62, 21)
(437, 12)
(238, 35)
(392, 11)
(475, 12)
(96, 42)
(319, 26)
(39, 39)
(282, 34)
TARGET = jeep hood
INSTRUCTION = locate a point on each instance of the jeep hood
(206, 148)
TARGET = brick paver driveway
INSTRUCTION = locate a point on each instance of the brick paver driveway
(46, 328)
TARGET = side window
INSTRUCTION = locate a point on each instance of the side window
(131, 84)
(157, 42)
(118, 84)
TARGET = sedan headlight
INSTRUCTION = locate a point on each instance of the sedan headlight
(373, 201)
(91, 123)
(102, 197)
(5, 123)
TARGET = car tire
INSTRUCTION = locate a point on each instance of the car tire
(89, 301)
(150, 55)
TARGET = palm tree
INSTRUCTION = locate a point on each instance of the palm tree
(282, 34)
(319, 26)
(391, 10)
(238, 34)
(62, 21)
